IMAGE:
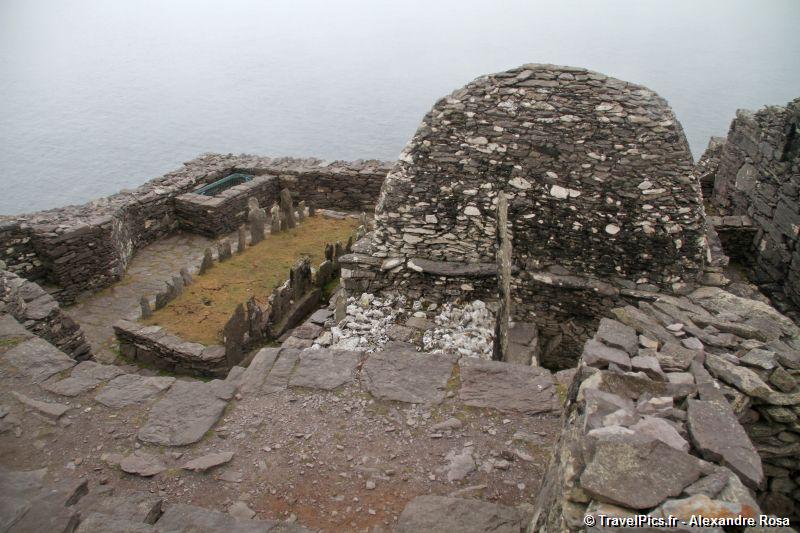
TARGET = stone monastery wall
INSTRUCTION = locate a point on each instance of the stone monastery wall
(87, 247)
(758, 175)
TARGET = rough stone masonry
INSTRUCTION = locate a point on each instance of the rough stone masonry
(601, 190)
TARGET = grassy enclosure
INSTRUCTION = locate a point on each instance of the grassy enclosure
(200, 313)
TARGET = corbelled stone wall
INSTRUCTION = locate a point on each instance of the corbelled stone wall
(680, 406)
(601, 188)
(35, 309)
(87, 247)
(758, 175)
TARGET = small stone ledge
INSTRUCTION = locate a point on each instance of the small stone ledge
(573, 282)
(153, 345)
(452, 268)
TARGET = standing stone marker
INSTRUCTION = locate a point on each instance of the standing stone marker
(242, 238)
(340, 305)
(224, 250)
(312, 211)
(233, 333)
(287, 208)
(257, 219)
(208, 261)
(275, 213)
(187, 278)
(301, 210)
(145, 305)
(500, 350)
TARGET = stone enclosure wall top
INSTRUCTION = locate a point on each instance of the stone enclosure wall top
(598, 171)
(87, 247)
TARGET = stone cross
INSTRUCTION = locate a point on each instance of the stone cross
(242, 237)
(301, 210)
(275, 213)
(500, 349)
(257, 219)
(287, 208)
(208, 261)
(145, 304)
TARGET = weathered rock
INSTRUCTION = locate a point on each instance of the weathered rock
(207, 262)
(144, 304)
(241, 511)
(660, 429)
(717, 434)
(325, 369)
(142, 464)
(51, 410)
(675, 358)
(460, 463)
(207, 462)
(504, 387)
(649, 365)
(136, 506)
(106, 523)
(599, 404)
(129, 389)
(241, 240)
(407, 376)
(439, 514)
(760, 359)
(38, 359)
(85, 377)
(259, 368)
(617, 335)
(640, 475)
(186, 413)
(599, 355)
(183, 518)
(287, 208)
(783, 380)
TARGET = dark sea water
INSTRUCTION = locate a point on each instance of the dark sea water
(100, 95)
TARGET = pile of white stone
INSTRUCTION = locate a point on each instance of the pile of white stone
(463, 329)
(466, 330)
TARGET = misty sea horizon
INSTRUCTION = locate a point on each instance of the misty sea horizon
(98, 96)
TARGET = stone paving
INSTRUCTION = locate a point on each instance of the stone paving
(150, 268)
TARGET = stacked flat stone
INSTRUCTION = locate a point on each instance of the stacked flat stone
(670, 381)
(40, 313)
(87, 247)
(757, 175)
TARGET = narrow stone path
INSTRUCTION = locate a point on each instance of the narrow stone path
(149, 269)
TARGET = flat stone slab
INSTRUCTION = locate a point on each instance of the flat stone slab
(38, 359)
(440, 514)
(52, 410)
(255, 374)
(638, 473)
(206, 462)
(718, 435)
(129, 389)
(106, 523)
(181, 517)
(136, 506)
(142, 464)
(10, 328)
(186, 413)
(85, 377)
(408, 376)
(278, 378)
(528, 390)
(325, 369)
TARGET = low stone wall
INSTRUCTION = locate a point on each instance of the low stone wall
(757, 176)
(34, 308)
(680, 406)
(152, 345)
(224, 213)
(87, 247)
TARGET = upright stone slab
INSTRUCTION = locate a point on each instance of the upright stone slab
(233, 333)
(312, 211)
(275, 219)
(500, 348)
(287, 208)
(224, 250)
(301, 210)
(187, 278)
(144, 304)
(241, 240)
(208, 261)
(257, 219)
